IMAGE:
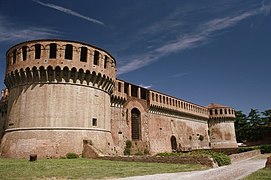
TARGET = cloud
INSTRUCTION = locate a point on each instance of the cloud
(179, 75)
(146, 86)
(198, 36)
(11, 32)
(69, 11)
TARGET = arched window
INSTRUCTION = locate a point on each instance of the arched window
(105, 61)
(96, 58)
(14, 53)
(135, 126)
(173, 142)
(24, 49)
(52, 51)
(68, 51)
(37, 51)
(83, 55)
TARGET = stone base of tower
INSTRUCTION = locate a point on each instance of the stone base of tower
(51, 143)
(224, 144)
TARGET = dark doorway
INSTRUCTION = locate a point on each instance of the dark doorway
(135, 115)
(173, 143)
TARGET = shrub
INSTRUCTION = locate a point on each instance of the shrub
(265, 148)
(128, 144)
(127, 149)
(71, 156)
(220, 158)
(146, 151)
(201, 137)
(245, 149)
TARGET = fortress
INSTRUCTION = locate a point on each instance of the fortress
(63, 95)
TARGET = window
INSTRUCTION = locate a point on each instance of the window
(96, 58)
(68, 51)
(37, 51)
(94, 122)
(126, 86)
(119, 86)
(216, 111)
(14, 52)
(225, 111)
(24, 49)
(221, 111)
(211, 112)
(105, 61)
(52, 50)
(84, 54)
(136, 119)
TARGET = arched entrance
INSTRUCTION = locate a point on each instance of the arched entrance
(135, 116)
(173, 143)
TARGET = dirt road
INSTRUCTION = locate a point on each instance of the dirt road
(236, 170)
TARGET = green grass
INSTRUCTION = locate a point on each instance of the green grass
(262, 174)
(85, 168)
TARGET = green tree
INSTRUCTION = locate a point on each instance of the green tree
(241, 126)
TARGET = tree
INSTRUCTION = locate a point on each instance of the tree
(241, 126)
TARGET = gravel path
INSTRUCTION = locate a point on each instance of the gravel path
(236, 170)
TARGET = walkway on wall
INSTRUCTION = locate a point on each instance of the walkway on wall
(236, 170)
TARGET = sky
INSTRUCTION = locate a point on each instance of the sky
(200, 51)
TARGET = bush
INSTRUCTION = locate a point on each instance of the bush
(71, 156)
(146, 151)
(265, 149)
(127, 149)
(220, 158)
(245, 149)
(201, 137)
(128, 144)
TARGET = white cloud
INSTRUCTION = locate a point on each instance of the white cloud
(70, 12)
(186, 40)
(11, 32)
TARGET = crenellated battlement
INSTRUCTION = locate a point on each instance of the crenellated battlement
(58, 61)
(218, 111)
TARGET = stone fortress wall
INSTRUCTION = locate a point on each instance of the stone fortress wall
(61, 93)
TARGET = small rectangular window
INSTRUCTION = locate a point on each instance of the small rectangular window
(37, 51)
(94, 122)
(96, 58)
(105, 61)
(83, 55)
(52, 51)
(24, 49)
(68, 51)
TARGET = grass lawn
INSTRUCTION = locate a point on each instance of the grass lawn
(85, 168)
(263, 174)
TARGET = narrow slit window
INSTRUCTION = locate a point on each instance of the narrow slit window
(105, 61)
(37, 51)
(96, 58)
(83, 55)
(94, 122)
(52, 51)
(24, 49)
(68, 51)
(14, 52)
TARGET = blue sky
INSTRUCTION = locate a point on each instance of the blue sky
(201, 51)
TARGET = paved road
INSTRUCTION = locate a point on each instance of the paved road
(237, 170)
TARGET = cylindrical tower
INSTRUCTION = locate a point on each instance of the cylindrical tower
(221, 126)
(59, 95)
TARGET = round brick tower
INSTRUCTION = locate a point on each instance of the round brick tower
(59, 97)
(221, 126)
